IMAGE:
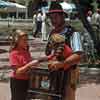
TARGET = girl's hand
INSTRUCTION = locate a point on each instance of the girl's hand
(33, 63)
(25, 68)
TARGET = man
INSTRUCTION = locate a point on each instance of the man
(38, 23)
(96, 27)
(89, 16)
(57, 16)
(96, 18)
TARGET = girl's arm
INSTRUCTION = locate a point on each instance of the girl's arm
(31, 64)
(26, 67)
(14, 60)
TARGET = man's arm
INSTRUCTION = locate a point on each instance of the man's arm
(76, 43)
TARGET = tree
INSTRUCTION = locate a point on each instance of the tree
(85, 5)
(98, 3)
(21, 1)
(12, 1)
(33, 6)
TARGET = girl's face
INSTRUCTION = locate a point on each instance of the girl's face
(23, 42)
(58, 53)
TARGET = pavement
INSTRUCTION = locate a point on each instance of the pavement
(88, 89)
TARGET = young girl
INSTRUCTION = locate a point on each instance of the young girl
(21, 62)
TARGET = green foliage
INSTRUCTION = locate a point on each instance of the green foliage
(78, 25)
(98, 3)
(86, 2)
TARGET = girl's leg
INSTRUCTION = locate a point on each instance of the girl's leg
(18, 89)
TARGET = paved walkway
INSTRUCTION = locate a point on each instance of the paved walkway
(88, 92)
(85, 92)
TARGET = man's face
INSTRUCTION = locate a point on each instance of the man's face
(57, 19)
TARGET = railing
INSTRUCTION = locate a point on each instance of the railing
(16, 20)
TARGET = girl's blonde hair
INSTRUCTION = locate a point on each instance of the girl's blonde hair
(57, 38)
(16, 34)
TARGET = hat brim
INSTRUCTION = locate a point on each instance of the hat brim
(56, 11)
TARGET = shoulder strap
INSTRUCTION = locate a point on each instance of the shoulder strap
(67, 32)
